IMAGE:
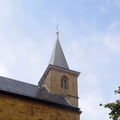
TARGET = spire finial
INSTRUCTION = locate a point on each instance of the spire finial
(57, 32)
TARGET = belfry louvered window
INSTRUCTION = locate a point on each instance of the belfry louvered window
(64, 82)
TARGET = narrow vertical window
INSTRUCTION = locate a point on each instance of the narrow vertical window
(65, 84)
(62, 83)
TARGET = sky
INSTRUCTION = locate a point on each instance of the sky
(90, 38)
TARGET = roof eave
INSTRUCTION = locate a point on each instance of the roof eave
(56, 67)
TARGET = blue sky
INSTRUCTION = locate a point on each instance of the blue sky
(90, 37)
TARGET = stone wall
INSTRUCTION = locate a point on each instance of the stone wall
(13, 108)
(53, 82)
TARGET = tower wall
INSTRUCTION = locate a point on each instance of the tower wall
(58, 78)
(53, 82)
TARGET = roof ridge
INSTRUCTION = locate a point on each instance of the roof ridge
(18, 80)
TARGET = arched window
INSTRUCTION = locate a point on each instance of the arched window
(64, 82)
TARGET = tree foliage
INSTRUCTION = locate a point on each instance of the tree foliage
(114, 107)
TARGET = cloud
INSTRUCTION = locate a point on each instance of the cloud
(113, 43)
(88, 60)
(4, 71)
(90, 107)
(92, 56)
(7, 9)
(112, 38)
(25, 55)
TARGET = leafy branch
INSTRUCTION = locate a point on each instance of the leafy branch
(114, 107)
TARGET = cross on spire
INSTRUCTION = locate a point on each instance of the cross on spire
(57, 32)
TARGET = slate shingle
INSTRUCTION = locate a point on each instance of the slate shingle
(33, 91)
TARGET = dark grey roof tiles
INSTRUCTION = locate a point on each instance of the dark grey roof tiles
(58, 58)
(26, 89)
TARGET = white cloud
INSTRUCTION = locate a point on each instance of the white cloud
(90, 107)
(113, 43)
(7, 9)
(91, 58)
(88, 60)
(3, 71)
(112, 38)
(27, 58)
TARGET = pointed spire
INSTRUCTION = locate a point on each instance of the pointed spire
(58, 58)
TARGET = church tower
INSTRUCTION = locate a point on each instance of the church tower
(58, 78)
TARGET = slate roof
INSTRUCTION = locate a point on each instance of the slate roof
(32, 91)
(58, 58)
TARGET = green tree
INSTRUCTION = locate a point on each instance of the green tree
(114, 107)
